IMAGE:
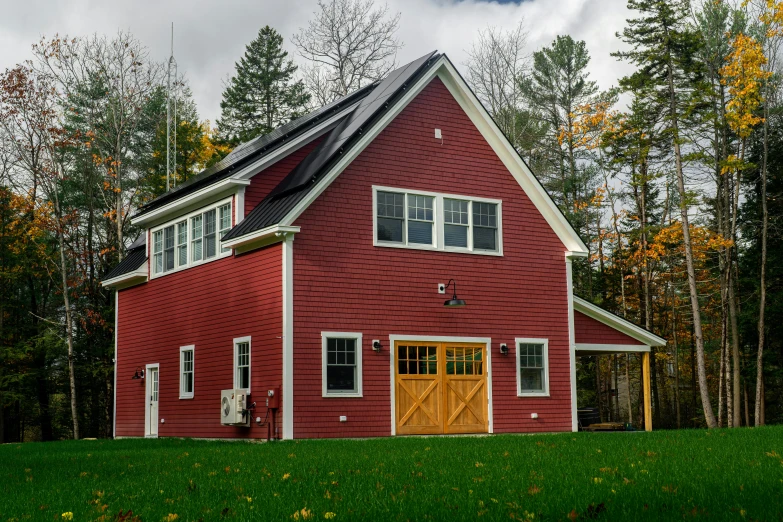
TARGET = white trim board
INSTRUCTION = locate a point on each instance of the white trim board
(288, 336)
(487, 341)
(611, 348)
(128, 279)
(114, 389)
(617, 323)
(571, 341)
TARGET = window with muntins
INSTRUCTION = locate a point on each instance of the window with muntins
(186, 380)
(191, 239)
(342, 367)
(532, 367)
(434, 221)
(242, 363)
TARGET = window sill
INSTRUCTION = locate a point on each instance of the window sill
(438, 249)
(349, 395)
(184, 397)
(533, 394)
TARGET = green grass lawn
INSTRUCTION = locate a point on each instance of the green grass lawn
(612, 476)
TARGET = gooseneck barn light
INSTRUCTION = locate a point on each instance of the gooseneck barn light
(139, 374)
(454, 302)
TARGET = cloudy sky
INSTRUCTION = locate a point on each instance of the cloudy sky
(211, 35)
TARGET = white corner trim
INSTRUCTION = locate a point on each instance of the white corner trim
(128, 279)
(359, 375)
(571, 343)
(619, 348)
(530, 340)
(487, 341)
(114, 389)
(288, 336)
(192, 348)
(237, 340)
(617, 323)
(223, 188)
(275, 232)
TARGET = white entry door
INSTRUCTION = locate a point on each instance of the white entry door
(152, 401)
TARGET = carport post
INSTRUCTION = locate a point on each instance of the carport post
(646, 391)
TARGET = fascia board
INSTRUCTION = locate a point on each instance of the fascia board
(190, 202)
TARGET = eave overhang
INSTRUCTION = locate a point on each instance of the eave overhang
(618, 323)
(260, 238)
(128, 279)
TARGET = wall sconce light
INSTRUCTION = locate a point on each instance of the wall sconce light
(454, 302)
(504, 349)
(376, 346)
(139, 374)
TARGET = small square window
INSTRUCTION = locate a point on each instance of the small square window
(342, 365)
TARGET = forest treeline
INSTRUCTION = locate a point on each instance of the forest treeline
(673, 179)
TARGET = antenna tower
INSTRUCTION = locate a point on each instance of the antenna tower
(172, 90)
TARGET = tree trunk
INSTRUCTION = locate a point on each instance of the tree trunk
(68, 318)
(709, 415)
(759, 418)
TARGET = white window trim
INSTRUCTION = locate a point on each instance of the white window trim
(359, 379)
(437, 235)
(545, 342)
(237, 341)
(186, 217)
(182, 350)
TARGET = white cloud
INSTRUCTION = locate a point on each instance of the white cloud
(211, 36)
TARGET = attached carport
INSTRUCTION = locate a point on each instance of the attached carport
(598, 332)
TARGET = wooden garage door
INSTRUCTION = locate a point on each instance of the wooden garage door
(440, 388)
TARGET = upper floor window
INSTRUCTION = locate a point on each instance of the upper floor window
(432, 221)
(191, 239)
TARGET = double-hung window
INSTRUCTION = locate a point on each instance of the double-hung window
(532, 367)
(433, 221)
(342, 364)
(186, 372)
(191, 239)
(242, 363)
(163, 250)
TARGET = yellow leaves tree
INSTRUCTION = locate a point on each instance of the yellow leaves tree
(744, 74)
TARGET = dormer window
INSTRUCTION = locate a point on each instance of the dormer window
(191, 240)
(433, 221)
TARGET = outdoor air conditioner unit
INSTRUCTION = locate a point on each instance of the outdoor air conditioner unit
(233, 408)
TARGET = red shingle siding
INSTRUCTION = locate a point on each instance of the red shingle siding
(262, 183)
(589, 331)
(207, 306)
(343, 283)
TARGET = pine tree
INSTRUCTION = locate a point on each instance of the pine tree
(263, 93)
(664, 48)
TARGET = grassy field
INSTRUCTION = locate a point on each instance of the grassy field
(721, 475)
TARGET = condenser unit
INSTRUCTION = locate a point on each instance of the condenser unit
(233, 408)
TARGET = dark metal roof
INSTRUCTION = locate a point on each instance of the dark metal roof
(303, 178)
(135, 258)
(256, 149)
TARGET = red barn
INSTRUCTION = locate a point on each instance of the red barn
(385, 265)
